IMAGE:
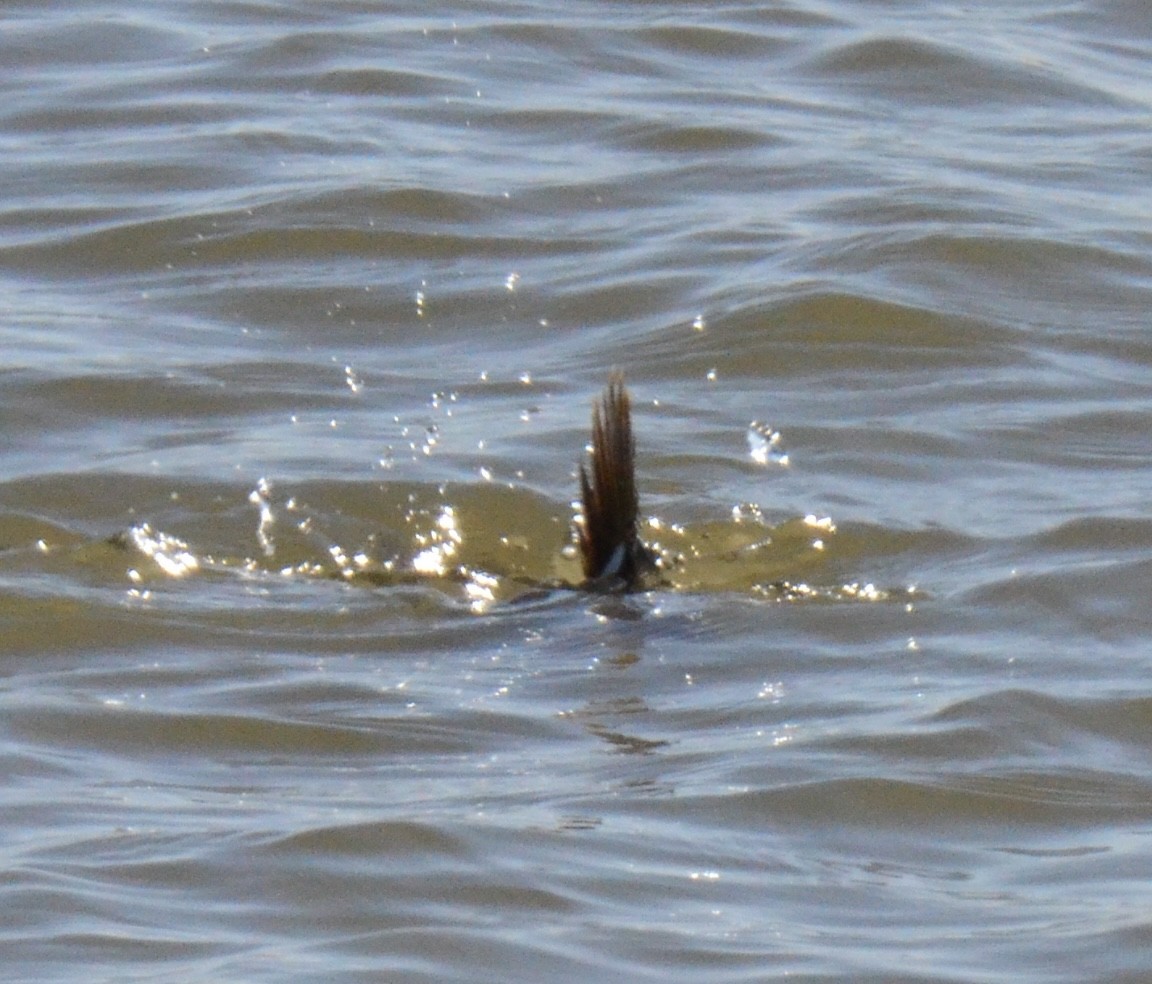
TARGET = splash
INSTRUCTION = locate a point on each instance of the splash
(173, 556)
(261, 498)
(764, 445)
(440, 545)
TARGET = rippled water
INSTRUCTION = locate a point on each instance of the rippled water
(304, 309)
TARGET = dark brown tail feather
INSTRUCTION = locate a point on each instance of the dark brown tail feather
(610, 549)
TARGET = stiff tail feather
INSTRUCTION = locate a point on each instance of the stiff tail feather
(612, 555)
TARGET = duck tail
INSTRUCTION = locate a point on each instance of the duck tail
(611, 553)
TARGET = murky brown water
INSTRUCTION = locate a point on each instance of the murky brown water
(304, 308)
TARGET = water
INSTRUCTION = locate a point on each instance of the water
(305, 307)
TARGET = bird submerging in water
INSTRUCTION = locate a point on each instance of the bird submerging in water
(613, 557)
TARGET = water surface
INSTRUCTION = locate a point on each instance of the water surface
(305, 308)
